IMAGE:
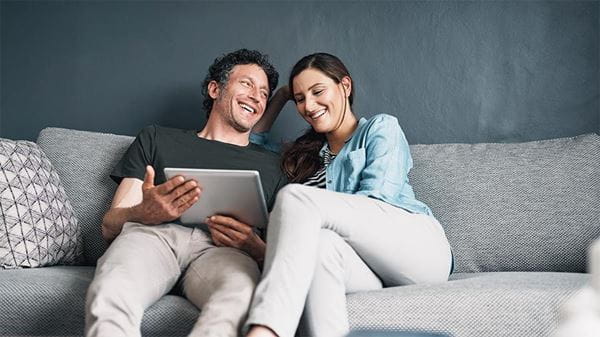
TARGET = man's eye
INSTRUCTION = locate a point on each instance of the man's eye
(265, 95)
(246, 83)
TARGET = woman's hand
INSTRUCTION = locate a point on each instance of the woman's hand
(229, 232)
(284, 93)
(274, 107)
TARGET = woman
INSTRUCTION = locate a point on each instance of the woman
(361, 229)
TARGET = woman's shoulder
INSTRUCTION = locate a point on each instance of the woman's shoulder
(381, 123)
(383, 119)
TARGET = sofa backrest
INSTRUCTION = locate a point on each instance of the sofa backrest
(531, 206)
(84, 161)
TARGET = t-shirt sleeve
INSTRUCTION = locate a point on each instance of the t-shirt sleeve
(138, 155)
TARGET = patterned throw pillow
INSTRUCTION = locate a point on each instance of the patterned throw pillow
(37, 223)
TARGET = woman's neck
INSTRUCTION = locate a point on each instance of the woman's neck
(338, 137)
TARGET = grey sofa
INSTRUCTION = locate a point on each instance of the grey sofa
(518, 216)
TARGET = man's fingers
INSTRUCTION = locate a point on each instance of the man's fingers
(220, 238)
(215, 237)
(183, 189)
(231, 223)
(148, 177)
(187, 201)
(170, 185)
(229, 232)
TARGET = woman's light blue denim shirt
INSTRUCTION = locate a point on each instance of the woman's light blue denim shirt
(374, 162)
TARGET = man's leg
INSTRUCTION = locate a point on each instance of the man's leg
(138, 268)
(220, 282)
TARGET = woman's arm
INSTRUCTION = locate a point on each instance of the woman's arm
(277, 102)
(388, 159)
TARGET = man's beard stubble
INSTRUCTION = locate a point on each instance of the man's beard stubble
(228, 115)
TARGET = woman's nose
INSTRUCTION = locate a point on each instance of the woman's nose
(310, 105)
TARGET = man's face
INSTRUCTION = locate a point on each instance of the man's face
(242, 101)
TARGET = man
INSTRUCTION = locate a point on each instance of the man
(150, 253)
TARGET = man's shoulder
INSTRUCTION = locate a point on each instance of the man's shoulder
(153, 132)
(159, 129)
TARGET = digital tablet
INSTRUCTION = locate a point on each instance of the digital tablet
(234, 193)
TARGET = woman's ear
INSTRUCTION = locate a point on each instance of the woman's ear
(347, 84)
(213, 89)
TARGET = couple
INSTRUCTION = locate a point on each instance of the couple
(348, 221)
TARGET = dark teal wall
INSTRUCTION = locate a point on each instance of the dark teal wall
(450, 71)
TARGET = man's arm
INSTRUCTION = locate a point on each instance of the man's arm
(128, 194)
(143, 202)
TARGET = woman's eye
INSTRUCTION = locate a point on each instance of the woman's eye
(318, 92)
(299, 100)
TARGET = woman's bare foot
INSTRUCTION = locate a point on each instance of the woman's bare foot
(260, 331)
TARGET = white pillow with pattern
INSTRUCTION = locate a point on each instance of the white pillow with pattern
(37, 223)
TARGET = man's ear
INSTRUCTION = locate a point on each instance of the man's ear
(213, 89)
(347, 84)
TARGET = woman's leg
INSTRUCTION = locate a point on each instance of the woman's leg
(400, 247)
(339, 270)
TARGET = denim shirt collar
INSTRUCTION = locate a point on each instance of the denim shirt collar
(361, 122)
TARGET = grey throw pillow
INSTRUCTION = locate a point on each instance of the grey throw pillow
(37, 223)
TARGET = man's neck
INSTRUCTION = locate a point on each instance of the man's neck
(218, 130)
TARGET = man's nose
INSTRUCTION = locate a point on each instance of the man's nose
(254, 94)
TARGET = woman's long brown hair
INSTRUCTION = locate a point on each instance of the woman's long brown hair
(301, 159)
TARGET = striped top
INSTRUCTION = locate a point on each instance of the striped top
(319, 179)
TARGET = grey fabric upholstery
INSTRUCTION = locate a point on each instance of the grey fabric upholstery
(505, 207)
(471, 305)
(531, 206)
(51, 301)
(83, 161)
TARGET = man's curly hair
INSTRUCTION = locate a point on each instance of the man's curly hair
(221, 68)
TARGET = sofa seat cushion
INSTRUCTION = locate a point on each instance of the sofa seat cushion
(470, 305)
(50, 302)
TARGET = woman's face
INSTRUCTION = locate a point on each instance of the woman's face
(319, 100)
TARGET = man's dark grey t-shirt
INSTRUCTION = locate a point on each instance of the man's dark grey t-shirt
(167, 147)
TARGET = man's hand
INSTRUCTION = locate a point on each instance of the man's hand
(167, 201)
(228, 232)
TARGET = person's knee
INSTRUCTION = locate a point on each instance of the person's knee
(297, 197)
(226, 269)
(293, 193)
(108, 290)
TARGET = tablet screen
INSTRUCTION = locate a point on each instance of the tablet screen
(234, 193)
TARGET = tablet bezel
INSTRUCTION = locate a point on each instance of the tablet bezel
(242, 186)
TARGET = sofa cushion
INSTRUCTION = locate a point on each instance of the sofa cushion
(471, 305)
(84, 161)
(51, 302)
(37, 224)
(531, 206)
